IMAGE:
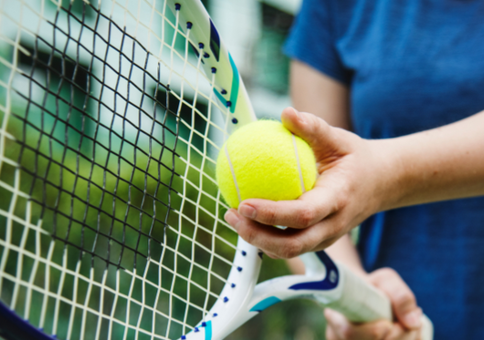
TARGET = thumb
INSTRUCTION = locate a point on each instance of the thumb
(323, 139)
(401, 296)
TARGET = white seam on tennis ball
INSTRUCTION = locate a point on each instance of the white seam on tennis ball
(298, 163)
(233, 173)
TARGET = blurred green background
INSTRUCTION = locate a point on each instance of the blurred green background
(111, 201)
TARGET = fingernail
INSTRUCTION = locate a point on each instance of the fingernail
(232, 218)
(412, 319)
(297, 112)
(247, 211)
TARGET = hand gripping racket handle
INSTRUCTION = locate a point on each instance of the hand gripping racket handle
(361, 302)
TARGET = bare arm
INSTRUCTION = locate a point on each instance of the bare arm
(439, 164)
(312, 91)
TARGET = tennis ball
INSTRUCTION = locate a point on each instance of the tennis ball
(264, 160)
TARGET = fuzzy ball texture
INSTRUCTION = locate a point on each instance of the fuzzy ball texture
(262, 158)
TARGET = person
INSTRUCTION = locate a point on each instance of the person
(407, 78)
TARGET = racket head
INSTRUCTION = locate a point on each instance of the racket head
(112, 117)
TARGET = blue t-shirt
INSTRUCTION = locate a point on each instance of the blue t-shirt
(411, 65)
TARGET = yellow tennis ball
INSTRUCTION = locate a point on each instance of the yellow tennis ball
(265, 160)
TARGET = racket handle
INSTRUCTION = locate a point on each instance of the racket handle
(361, 302)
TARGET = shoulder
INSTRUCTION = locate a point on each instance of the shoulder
(337, 16)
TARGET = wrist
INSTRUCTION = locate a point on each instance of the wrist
(389, 175)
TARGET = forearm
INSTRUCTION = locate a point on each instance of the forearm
(434, 165)
(314, 92)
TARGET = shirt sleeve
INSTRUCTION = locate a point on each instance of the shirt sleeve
(311, 40)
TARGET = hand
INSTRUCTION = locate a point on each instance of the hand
(406, 327)
(352, 177)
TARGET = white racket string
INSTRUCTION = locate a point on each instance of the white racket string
(111, 223)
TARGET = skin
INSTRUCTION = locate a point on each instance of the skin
(358, 178)
(361, 177)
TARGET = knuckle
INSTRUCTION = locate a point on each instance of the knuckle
(248, 235)
(316, 128)
(270, 216)
(384, 273)
(306, 217)
(345, 191)
(319, 125)
(404, 298)
(347, 332)
(342, 201)
(389, 281)
(337, 228)
(291, 249)
(378, 333)
(395, 335)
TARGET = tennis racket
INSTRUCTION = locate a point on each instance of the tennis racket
(112, 116)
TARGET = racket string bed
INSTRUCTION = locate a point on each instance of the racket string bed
(110, 218)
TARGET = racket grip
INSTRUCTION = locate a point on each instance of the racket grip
(361, 302)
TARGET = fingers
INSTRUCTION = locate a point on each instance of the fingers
(402, 298)
(279, 243)
(307, 210)
(399, 332)
(319, 135)
(408, 326)
(267, 238)
(307, 126)
(339, 328)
